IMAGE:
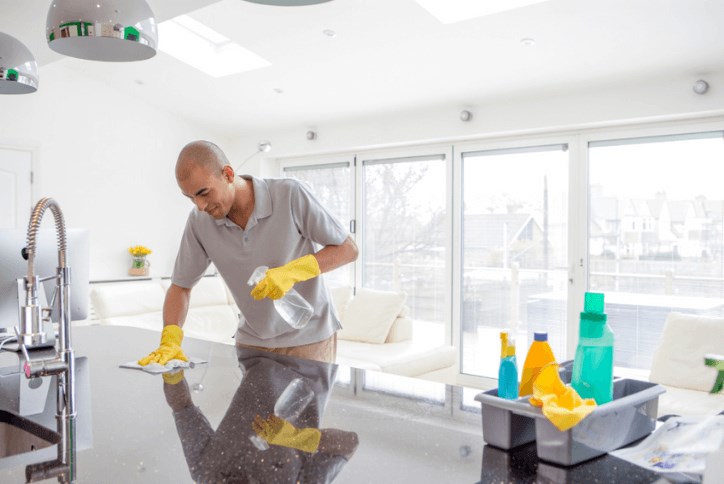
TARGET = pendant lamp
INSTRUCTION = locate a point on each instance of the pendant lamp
(102, 30)
(18, 69)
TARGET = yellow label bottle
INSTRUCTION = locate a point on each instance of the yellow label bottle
(539, 355)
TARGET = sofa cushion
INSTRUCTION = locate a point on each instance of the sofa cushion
(680, 401)
(126, 298)
(407, 358)
(679, 358)
(341, 296)
(401, 330)
(404, 312)
(370, 314)
(152, 321)
(210, 323)
(209, 291)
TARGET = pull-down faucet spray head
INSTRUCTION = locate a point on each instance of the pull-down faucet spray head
(32, 333)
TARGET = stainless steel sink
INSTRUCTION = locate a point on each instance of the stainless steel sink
(19, 435)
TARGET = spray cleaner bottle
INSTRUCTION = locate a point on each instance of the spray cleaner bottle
(593, 363)
(508, 371)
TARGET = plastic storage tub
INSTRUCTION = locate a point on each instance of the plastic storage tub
(502, 427)
(630, 416)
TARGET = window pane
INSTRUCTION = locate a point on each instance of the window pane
(404, 238)
(515, 226)
(655, 235)
(332, 186)
(468, 401)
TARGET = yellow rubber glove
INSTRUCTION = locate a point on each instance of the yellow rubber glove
(561, 404)
(170, 347)
(277, 431)
(279, 280)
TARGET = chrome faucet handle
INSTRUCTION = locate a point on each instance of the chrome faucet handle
(24, 349)
(40, 366)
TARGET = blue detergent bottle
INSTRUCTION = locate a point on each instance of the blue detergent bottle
(593, 363)
(508, 371)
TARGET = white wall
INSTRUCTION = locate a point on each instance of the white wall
(108, 160)
(649, 100)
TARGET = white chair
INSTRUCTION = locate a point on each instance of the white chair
(678, 365)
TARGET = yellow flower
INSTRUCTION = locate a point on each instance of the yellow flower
(139, 250)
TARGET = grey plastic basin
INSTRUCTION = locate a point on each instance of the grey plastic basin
(630, 416)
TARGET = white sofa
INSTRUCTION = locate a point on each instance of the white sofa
(377, 333)
(678, 365)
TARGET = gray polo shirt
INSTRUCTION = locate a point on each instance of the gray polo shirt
(286, 223)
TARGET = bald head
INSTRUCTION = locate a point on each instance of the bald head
(200, 154)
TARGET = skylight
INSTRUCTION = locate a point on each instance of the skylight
(205, 49)
(451, 11)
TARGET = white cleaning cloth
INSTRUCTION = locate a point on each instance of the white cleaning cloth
(155, 368)
(681, 444)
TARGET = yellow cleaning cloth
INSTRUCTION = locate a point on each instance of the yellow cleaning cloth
(561, 404)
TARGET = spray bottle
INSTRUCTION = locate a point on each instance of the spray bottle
(593, 363)
(508, 371)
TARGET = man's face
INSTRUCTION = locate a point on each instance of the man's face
(211, 191)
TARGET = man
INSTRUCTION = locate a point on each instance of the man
(240, 223)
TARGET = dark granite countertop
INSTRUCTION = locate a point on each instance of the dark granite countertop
(128, 430)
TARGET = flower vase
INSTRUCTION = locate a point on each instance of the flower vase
(139, 266)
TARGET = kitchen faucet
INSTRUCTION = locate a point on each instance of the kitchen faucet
(32, 337)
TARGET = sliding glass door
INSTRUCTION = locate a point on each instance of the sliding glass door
(512, 233)
(514, 251)
(332, 184)
(656, 235)
(404, 233)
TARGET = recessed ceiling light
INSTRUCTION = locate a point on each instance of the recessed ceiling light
(701, 86)
(527, 41)
(329, 33)
(451, 11)
(207, 50)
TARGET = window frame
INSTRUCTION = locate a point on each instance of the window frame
(506, 143)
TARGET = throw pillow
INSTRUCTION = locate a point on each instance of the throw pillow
(370, 314)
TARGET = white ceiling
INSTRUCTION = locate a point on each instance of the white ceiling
(392, 55)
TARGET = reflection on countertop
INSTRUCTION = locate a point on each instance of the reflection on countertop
(352, 426)
(292, 448)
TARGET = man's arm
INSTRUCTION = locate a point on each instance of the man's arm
(175, 308)
(338, 442)
(178, 395)
(331, 257)
(279, 280)
(176, 305)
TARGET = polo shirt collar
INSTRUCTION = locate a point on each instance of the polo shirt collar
(262, 203)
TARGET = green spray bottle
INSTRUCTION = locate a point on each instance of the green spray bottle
(593, 363)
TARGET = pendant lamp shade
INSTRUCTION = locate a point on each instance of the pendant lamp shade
(18, 69)
(102, 30)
